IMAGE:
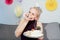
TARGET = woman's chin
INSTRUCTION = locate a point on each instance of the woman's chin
(32, 20)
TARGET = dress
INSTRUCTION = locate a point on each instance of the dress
(29, 26)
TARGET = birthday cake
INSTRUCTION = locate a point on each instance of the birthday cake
(34, 33)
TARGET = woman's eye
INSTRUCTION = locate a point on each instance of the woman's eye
(32, 13)
(29, 12)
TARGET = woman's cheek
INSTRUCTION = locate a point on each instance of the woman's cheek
(32, 18)
(36, 18)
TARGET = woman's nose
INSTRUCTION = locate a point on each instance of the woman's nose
(30, 14)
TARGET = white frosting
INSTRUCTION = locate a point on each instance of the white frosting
(34, 33)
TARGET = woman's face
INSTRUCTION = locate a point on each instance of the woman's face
(33, 13)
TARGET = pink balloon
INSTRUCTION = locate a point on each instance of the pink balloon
(8, 2)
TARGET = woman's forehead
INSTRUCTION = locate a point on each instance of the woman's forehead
(33, 10)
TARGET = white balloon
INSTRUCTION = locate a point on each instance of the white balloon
(18, 11)
(37, 5)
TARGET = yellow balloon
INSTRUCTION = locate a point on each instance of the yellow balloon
(18, 11)
(51, 5)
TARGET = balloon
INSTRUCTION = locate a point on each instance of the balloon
(8, 2)
(19, 1)
(51, 5)
(18, 11)
(37, 5)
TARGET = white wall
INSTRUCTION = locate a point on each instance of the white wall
(7, 14)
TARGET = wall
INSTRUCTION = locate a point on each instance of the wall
(7, 14)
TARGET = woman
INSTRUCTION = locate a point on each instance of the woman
(29, 22)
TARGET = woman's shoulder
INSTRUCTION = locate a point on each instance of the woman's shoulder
(38, 22)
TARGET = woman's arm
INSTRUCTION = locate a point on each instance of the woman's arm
(20, 27)
(39, 24)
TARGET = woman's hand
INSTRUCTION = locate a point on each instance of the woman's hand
(28, 17)
(41, 38)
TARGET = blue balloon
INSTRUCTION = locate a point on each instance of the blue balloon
(20, 1)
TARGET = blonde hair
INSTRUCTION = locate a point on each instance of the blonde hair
(38, 9)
